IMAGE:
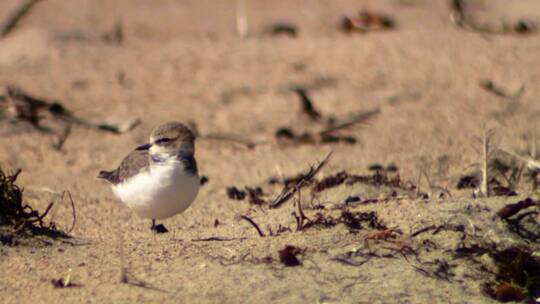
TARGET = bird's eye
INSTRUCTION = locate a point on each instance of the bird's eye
(163, 140)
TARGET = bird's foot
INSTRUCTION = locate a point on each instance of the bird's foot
(159, 228)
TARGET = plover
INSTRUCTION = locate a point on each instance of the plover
(160, 179)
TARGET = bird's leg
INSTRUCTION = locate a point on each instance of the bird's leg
(159, 228)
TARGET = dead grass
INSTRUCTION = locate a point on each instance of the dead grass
(19, 220)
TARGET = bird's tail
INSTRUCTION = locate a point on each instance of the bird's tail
(106, 175)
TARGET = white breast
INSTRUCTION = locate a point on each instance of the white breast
(161, 193)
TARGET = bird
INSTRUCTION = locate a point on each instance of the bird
(159, 179)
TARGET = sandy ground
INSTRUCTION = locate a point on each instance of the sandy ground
(181, 60)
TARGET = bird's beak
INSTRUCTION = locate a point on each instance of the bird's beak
(143, 147)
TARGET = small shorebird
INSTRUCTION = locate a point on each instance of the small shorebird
(158, 180)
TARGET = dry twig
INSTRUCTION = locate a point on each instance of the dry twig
(72, 208)
(307, 105)
(17, 15)
(218, 239)
(359, 118)
(252, 222)
(288, 191)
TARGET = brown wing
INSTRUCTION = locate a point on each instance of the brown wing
(136, 162)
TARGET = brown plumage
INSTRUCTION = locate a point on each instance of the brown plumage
(172, 130)
(136, 162)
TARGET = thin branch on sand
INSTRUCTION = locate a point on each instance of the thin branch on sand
(252, 222)
(10, 23)
(288, 191)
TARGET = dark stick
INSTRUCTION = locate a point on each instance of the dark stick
(307, 104)
(288, 192)
(245, 217)
(41, 217)
(13, 19)
(423, 230)
(218, 239)
(14, 176)
(359, 118)
(28, 108)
